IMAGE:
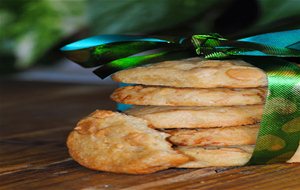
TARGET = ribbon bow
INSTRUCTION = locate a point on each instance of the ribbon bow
(279, 133)
(117, 52)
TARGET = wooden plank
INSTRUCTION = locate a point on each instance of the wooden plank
(276, 176)
(68, 175)
(35, 125)
(48, 106)
(36, 118)
(16, 157)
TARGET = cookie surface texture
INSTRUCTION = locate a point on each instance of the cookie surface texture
(166, 96)
(197, 117)
(115, 142)
(222, 136)
(195, 73)
(216, 156)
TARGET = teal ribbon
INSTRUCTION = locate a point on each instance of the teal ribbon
(279, 133)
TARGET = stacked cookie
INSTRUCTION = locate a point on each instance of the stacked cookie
(211, 109)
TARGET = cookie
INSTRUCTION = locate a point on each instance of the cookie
(296, 157)
(195, 73)
(225, 136)
(115, 142)
(197, 117)
(216, 156)
(165, 96)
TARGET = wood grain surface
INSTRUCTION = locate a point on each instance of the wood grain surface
(36, 117)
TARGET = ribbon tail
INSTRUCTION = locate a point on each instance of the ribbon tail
(275, 39)
(102, 49)
(294, 46)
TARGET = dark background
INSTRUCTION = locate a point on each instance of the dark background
(32, 31)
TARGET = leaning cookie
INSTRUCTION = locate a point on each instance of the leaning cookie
(221, 136)
(195, 73)
(114, 142)
(216, 156)
(167, 117)
(166, 96)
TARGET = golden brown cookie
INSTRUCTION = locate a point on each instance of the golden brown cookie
(216, 156)
(222, 136)
(197, 117)
(115, 142)
(165, 96)
(195, 73)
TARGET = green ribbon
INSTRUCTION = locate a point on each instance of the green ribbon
(215, 47)
(279, 133)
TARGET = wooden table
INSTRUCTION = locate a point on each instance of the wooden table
(36, 118)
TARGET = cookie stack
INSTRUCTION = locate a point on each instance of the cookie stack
(211, 109)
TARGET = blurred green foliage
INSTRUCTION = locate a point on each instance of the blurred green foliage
(30, 28)
(144, 16)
